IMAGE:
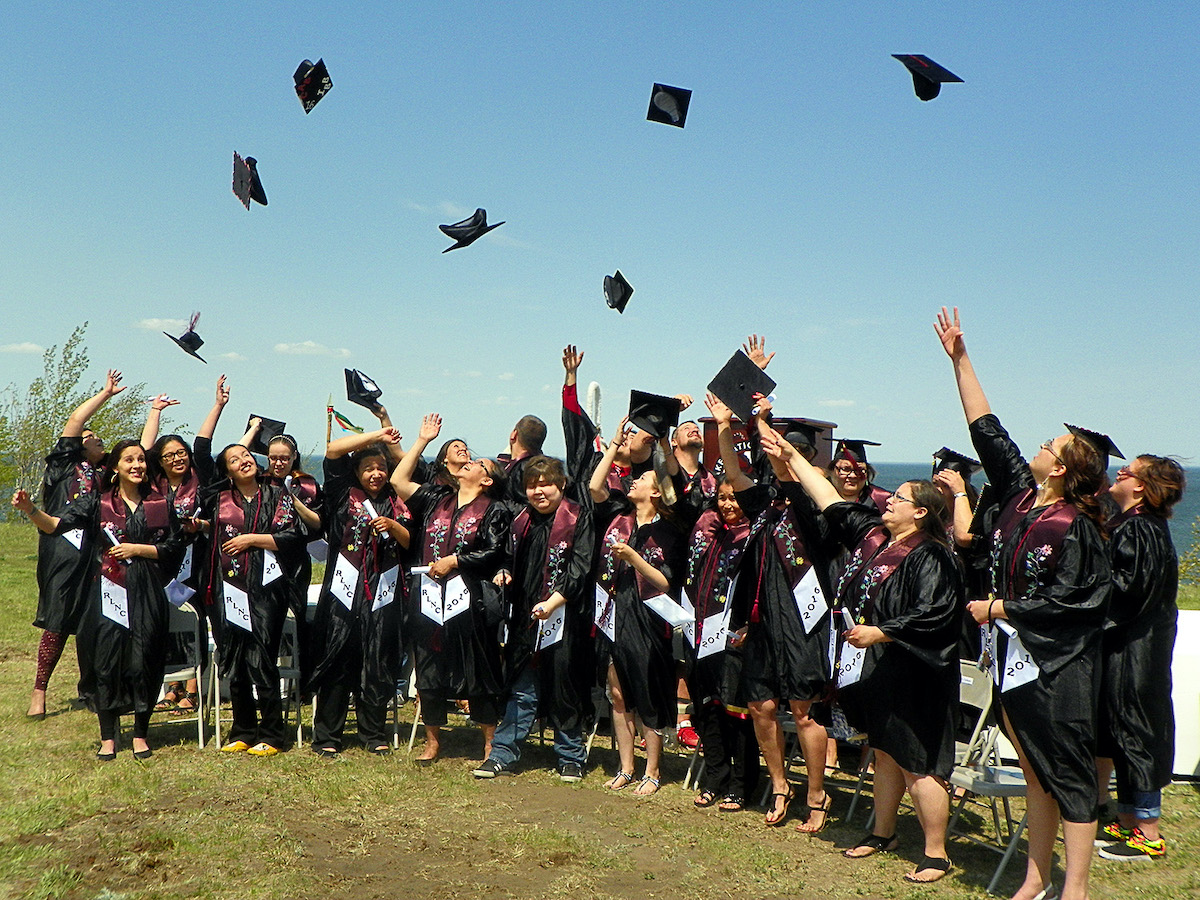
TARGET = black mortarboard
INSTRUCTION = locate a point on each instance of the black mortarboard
(928, 77)
(737, 383)
(270, 429)
(617, 291)
(952, 459)
(855, 451)
(247, 185)
(653, 413)
(312, 83)
(189, 340)
(362, 390)
(1102, 442)
(669, 105)
(796, 432)
(468, 230)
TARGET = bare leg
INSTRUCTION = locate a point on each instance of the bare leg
(814, 740)
(654, 745)
(37, 703)
(932, 803)
(1104, 770)
(433, 742)
(1042, 828)
(1078, 838)
(889, 790)
(623, 725)
(489, 732)
(770, 744)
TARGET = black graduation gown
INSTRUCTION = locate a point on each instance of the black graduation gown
(1058, 617)
(580, 435)
(123, 667)
(359, 647)
(641, 649)
(564, 669)
(460, 659)
(779, 660)
(63, 568)
(907, 698)
(1137, 719)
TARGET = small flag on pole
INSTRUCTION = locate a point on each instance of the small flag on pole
(344, 423)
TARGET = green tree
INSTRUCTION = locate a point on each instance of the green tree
(1189, 563)
(31, 420)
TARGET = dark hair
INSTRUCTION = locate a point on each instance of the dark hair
(539, 467)
(223, 470)
(1085, 476)
(154, 457)
(371, 451)
(440, 472)
(531, 432)
(936, 521)
(114, 456)
(499, 479)
(1163, 483)
(291, 442)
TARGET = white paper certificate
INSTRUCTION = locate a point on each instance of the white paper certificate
(670, 611)
(178, 593)
(810, 600)
(237, 606)
(114, 602)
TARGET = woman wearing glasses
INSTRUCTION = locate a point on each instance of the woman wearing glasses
(1050, 586)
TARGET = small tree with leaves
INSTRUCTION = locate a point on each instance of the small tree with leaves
(1189, 563)
(31, 420)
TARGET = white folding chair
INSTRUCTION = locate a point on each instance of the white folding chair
(185, 621)
(289, 675)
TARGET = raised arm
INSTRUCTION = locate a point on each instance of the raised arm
(960, 505)
(253, 427)
(813, 480)
(598, 485)
(153, 417)
(395, 451)
(209, 426)
(756, 348)
(970, 391)
(42, 521)
(766, 433)
(352, 442)
(85, 410)
(738, 480)
(572, 359)
(402, 476)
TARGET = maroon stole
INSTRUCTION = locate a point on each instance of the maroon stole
(878, 496)
(1040, 544)
(558, 548)
(713, 559)
(186, 498)
(871, 564)
(789, 547)
(86, 479)
(451, 530)
(231, 522)
(621, 529)
(707, 483)
(114, 513)
(305, 488)
(369, 552)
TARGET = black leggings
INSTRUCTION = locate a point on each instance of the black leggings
(110, 723)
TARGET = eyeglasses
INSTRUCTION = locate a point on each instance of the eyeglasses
(280, 459)
(173, 455)
(1126, 472)
(846, 471)
(1049, 448)
(905, 499)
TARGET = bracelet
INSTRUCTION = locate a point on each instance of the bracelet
(960, 494)
(990, 605)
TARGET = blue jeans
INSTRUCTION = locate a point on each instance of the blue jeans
(517, 722)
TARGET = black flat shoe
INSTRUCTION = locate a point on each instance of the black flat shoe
(143, 754)
(382, 750)
(106, 757)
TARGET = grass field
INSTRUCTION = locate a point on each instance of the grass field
(192, 823)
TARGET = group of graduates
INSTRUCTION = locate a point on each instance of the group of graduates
(518, 584)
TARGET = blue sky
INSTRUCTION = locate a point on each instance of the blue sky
(811, 197)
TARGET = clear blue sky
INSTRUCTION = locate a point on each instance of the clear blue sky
(811, 197)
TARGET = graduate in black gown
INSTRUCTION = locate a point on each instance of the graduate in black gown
(251, 522)
(524, 443)
(460, 536)
(1051, 582)
(1137, 719)
(641, 556)
(136, 540)
(73, 471)
(903, 586)
(549, 651)
(356, 634)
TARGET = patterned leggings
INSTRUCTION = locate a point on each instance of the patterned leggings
(49, 651)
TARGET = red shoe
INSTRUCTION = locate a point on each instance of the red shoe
(687, 737)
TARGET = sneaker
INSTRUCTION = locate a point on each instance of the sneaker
(570, 772)
(688, 737)
(1112, 832)
(262, 749)
(1138, 846)
(489, 768)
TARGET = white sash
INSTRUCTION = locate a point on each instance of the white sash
(605, 615)
(237, 606)
(810, 600)
(114, 602)
(550, 631)
(689, 627)
(457, 598)
(344, 581)
(386, 592)
(714, 633)
(1019, 667)
(271, 569)
(74, 537)
(431, 599)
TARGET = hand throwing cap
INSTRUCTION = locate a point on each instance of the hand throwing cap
(669, 105)
(468, 230)
(312, 83)
(653, 413)
(362, 390)
(737, 383)
(952, 459)
(247, 185)
(617, 291)
(189, 340)
(928, 77)
(270, 429)
(1102, 442)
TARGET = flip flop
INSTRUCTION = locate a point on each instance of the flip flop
(638, 792)
(823, 809)
(778, 820)
(873, 844)
(928, 864)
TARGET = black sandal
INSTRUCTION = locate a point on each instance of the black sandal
(732, 803)
(705, 799)
(787, 801)
(928, 864)
(875, 844)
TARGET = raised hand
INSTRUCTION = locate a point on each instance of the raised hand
(431, 427)
(722, 413)
(950, 333)
(22, 502)
(389, 435)
(572, 358)
(222, 392)
(622, 433)
(756, 348)
(161, 402)
(685, 400)
(112, 383)
(763, 404)
(951, 479)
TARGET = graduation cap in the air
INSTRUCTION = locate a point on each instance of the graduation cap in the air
(952, 459)
(362, 390)
(247, 185)
(653, 413)
(737, 383)
(853, 450)
(617, 291)
(928, 77)
(1102, 442)
(189, 340)
(669, 105)
(468, 230)
(312, 83)
(268, 431)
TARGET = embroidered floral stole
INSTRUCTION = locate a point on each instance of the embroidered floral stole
(558, 548)
(114, 515)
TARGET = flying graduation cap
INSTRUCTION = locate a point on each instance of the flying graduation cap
(469, 230)
(653, 413)
(617, 291)
(247, 185)
(952, 459)
(928, 77)
(362, 390)
(267, 432)
(1102, 442)
(189, 340)
(737, 383)
(312, 83)
(669, 105)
